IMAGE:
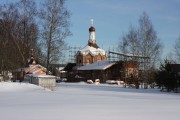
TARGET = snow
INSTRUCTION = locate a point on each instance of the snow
(80, 101)
(93, 51)
(44, 76)
(16, 86)
(100, 65)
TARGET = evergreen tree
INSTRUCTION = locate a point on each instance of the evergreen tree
(166, 77)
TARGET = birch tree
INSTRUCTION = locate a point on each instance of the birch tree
(143, 41)
(55, 28)
(150, 45)
(130, 42)
(149, 41)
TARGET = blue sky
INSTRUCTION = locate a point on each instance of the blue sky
(112, 19)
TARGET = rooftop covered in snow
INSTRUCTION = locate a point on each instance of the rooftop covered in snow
(101, 65)
(92, 50)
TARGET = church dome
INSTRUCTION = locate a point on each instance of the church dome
(91, 29)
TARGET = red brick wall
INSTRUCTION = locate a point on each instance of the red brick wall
(89, 59)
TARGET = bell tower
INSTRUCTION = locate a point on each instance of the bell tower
(92, 33)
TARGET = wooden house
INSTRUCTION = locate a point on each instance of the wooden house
(102, 70)
(32, 67)
(106, 70)
(35, 69)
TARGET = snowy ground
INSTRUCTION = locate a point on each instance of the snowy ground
(79, 101)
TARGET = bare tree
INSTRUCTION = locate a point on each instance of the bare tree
(9, 17)
(143, 41)
(18, 34)
(177, 49)
(27, 27)
(55, 28)
(150, 43)
(130, 42)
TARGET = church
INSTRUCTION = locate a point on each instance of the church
(92, 63)
(91, 53)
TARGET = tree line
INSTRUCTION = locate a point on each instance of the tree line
(25, 28)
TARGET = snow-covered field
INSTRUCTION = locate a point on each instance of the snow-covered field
(79, 101)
